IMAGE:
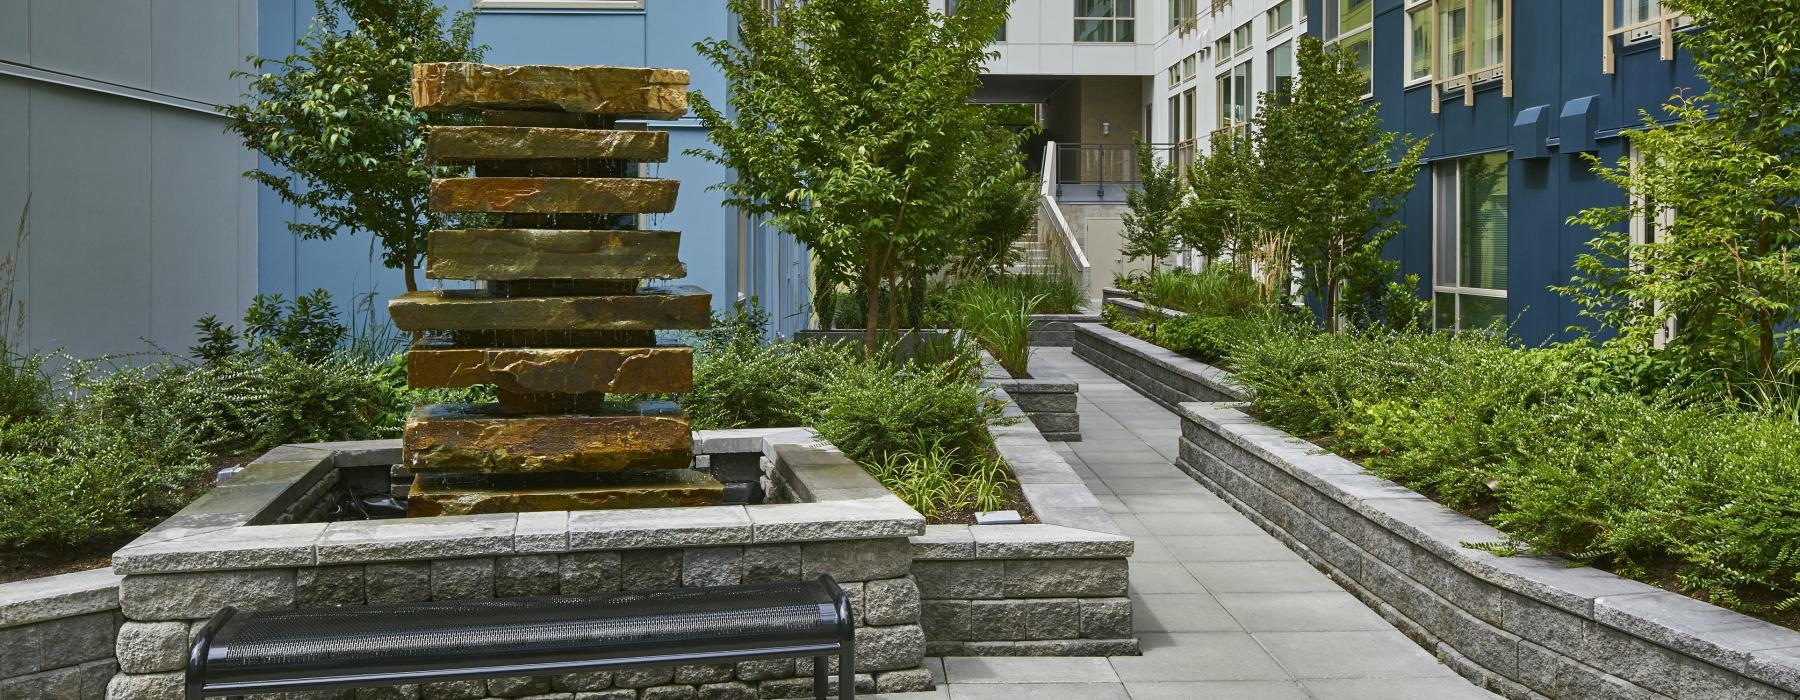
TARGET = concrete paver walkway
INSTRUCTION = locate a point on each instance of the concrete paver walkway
(1223, 610)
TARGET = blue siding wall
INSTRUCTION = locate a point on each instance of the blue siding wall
(662, 36)
(1557, 55)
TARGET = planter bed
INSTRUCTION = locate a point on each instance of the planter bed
(1165, 376)
(1047, 399)
(1524, 627)
(1054, 588)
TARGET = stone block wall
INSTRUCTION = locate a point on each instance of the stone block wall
(1023, 590)
(57, 635)
(1057, 330)
(1525, 627)
(1163, 375)
(1048, 399)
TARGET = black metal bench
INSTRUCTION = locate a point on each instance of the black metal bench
(237, 653)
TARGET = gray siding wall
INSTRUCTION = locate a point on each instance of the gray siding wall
(141, 220)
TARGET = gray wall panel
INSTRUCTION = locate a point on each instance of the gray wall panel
(105, 40)
(90, 243)
(194, 238)
(15, 171)
(196, 47)
(15, 30)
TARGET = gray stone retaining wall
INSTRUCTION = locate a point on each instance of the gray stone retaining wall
(852, 528)
(1523, 627)
(1165, 376)
(57, 635)
(1130, 307)
(1048, 399)
(1057, 330)
(1054, 588)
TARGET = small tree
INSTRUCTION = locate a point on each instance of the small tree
(336, 120)
(1150, 229)
(1728, 166)
(852, 131)
(1212, 218)
(1331, 180)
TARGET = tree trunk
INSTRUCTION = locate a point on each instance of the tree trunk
(871, 303)
(412, 279)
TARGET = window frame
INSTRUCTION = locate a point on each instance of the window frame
(1229, 96)
(1334, 35)
(1292, 66)
(626, 5)
(1270, 29)
(1411, 8)
(1666, 23)
(1184, 16)
(1447, 187)
(1643, 230)
(1471, 79)
(1114, 21)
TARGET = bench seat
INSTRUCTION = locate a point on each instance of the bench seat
(238, 653)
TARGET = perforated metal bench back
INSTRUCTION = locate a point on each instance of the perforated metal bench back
(422, 637)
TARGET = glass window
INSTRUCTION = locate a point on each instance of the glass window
(1190, 107)
(1281, 71)
(1630, 12)
(1418, 43)
(1234, 95)
(1222, 49)
(1362, 44)
(1346, 16)
(1175, 119)
(1240, 38)
(1279, 17)
(1472, 35)
(1471, 234)
(1183, 13)
(1101, 21)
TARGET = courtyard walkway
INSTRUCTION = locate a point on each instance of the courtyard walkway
(1223, 610)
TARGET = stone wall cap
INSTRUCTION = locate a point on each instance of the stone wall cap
(1777, 667)
(658, 528)
(542, 533)
(1714, 634)
(358, 541)
(253, 547)
(945, 542)
(1168, 360)
(54, 597)
(1038, 541)
(866, 518)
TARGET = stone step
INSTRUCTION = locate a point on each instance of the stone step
(627, 436)
(478, 494)
(663, 369)
(550, 254)
(652, 308)
(554, 195)
(649, 93)
(467, 144)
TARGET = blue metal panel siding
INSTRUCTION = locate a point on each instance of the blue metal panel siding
(1556, 58)
(662, 35)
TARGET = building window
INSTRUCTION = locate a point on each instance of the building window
(1648, 220)
(1184, 15)
(1102, 21)
(559, 4)
(1351, 23)
(1175, 119)
(1234, 97)
(1279, 18)
(1418, 42)
(1281, 71)
(1222, 50)
(1637, 21)
(1472, 45)
(1184, 70)
(1240, 38)
(1470, 233)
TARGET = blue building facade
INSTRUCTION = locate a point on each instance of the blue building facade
(728, 253)
(1487, 227)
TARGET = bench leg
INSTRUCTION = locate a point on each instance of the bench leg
(847, 671)
(821, 677)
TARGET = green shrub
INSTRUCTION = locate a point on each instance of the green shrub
(1054, 292)
(936, 481)
(999, 318)
(1219, 290)
(872, 409)
(1209, 338)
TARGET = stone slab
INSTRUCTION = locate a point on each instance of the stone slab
(552, 254)
(475, 494)
(665, 308)
(664, 369)
(259, 547)
(650, 93)
(52, 597)
(357, 541)
(480, 438)
(884, 516)
(658, 527)
(465, 144)
(1047, 542)
(553, 195)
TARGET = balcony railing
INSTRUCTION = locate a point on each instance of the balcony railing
(1108, 169)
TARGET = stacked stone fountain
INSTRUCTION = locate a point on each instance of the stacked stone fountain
(563, 320)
